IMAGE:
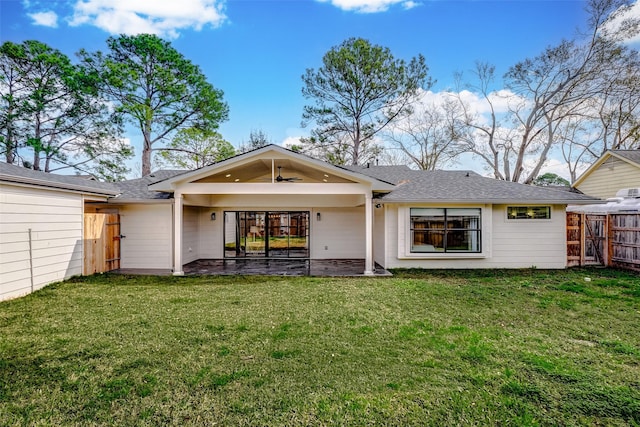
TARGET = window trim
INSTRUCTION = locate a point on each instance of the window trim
(531, 219)
(445, 231)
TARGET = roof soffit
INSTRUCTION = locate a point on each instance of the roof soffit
(261, 166)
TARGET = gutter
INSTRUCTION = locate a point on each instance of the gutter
(495, 201)
(11, 179)
(117, 201)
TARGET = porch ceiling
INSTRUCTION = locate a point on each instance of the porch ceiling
(260, 170)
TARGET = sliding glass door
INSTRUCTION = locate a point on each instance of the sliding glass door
(263, 234)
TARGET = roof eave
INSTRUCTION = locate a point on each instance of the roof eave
(169, 185)
(59, 186)
(494, 201)
(132, 201)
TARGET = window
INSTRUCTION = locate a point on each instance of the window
(436, 230)
(529, 212)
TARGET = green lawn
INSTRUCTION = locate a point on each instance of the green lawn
(422, 348)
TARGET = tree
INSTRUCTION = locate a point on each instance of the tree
(360, 89)
(53, 110)
(612, 119)
(429, 136)
(550, 96)
(156, 89)
(257, 139)
(193, 148)
(11, 95)
(484, 135)
(551, 180)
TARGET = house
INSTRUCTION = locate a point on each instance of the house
(41, 227)
(273, 203)
(615, 170)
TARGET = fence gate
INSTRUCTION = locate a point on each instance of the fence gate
(586, 239)
(595, 248)
(574, 239)
(101, 242)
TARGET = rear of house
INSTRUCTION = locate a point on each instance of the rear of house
(272, 203)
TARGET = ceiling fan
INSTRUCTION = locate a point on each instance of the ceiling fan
(280, 178)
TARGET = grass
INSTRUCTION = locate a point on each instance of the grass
(435, 348)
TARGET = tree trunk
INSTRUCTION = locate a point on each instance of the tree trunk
(146, 149)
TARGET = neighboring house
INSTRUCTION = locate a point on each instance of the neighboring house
(615, 170)
(41, 227)
(275, 203)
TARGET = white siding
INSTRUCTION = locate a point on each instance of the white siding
(148, 242)
(379, 235)
(190, 234)
(210, 237)
(340, 230)
(505, 243)
(340, 233)
(612, 175)
(56, 222)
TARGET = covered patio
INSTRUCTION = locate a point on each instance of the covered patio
(282, 267)
(271, 211)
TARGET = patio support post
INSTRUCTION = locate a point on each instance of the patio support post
(177, 234)
(368, 213)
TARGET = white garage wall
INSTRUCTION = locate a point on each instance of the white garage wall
(56, 222)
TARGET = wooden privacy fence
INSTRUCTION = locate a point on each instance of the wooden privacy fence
(101, 242)
(607, 239)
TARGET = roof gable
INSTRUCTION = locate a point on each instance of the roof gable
(269, 164)
(631, 157)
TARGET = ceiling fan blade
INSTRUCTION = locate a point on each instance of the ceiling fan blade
(280, 178)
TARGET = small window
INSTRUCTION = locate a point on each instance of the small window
(529, 212)
(436, 230)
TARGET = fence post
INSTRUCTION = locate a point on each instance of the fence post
(31, 260)
(610, 239)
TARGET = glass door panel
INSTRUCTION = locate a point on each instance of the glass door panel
(252, 237)
(231, 235)
(266, 234)
(299, 235)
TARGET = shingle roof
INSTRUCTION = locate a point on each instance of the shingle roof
(633, 155)
(17, 174)
(390, 174)
(137, 189)
(466, 186)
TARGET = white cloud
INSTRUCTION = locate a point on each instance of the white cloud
(290, 141)
(410, 4)
(161, 17)
(370, 6)
(46, 19)
(617, 23)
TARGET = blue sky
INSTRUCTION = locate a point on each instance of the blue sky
(256, 51)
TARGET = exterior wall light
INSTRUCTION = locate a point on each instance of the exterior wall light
(213, 216)
(318, 217)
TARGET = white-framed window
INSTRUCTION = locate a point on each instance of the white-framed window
(445, 230)
(528, 212)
